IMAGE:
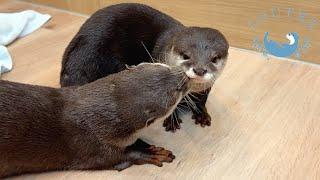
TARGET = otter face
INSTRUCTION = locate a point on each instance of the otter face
(201, 52)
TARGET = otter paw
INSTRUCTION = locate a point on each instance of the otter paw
(171, 124)
(203, 119)
(153, 155)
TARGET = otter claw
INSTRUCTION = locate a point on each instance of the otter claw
(172, 125)
(154, 155)
(203, 119)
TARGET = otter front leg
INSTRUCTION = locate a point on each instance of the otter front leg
(142, 153)
(200, 114)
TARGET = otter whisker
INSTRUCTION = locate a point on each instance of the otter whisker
(183, 106)
(177, 72)
(194, 96)
(193, 104)
(182, 82)
(190, 100)
(176, 118)
(185, 100)
(147, 52)
(172, 121)
(180, 110)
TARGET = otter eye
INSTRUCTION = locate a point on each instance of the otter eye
(214, 60)
(184, 56)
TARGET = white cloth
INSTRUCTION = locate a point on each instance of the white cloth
(16, 25)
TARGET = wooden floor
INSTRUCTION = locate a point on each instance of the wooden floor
(266, 113)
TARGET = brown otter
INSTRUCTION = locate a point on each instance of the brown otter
(87, 127)
(123, 34)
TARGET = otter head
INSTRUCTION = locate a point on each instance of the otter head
(158, 91)
(159, 80)
(201, 52)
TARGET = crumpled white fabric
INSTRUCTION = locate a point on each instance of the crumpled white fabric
(17, 25)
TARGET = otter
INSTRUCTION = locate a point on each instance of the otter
(89, 127)
(128, 34)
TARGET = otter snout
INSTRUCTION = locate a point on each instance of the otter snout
(199, 71)
(199, 74)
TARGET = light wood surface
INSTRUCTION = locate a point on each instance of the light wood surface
(81, 6)
(241, 21)
(265, 113)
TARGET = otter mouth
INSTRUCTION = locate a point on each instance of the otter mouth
(200, 83)
(200, 86)
(204, 78)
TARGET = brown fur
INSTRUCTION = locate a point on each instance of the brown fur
(122, 34)
(44, 128)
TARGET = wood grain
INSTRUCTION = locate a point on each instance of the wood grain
(265, 113)
(81, 6)
(241, 21)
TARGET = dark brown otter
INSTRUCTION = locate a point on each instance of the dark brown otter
(123, 34)
(87, 127)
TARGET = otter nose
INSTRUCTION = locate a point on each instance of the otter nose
(199, 71)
